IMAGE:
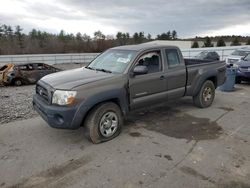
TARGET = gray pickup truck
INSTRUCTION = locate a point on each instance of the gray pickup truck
(120, 80)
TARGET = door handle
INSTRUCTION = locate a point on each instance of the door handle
(162, 77)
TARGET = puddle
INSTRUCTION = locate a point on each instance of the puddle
(171, 122)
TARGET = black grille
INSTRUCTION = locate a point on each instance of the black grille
(42, 92)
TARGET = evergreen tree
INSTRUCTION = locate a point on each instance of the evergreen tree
(122, 38)
(98, 35)
(33, 34)
(1, 31)
(78, 36)
(248, 41)
(220, 42)
(119, 38)
(61, 35)
(169, 35)
(136, 38)
(195, 45)
(86, 37)
(164, 36)
(174, 35)
(235, 42)
(20, 36)
(149, 37)
(207, 42)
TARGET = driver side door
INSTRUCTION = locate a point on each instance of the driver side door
(148, 88)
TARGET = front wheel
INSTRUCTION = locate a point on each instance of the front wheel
(206, 95)
(104, 122)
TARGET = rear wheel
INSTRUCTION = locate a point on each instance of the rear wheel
(104, 122)
(206, 95)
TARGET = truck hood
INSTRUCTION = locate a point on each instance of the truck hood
(243, 63)
(69, 79)
(234, 57)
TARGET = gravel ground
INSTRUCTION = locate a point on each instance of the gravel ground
(16, 102)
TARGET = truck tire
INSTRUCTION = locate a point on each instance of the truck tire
(104, 122)
(205, 96)
(18, 82)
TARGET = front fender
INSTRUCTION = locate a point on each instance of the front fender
(118, 95)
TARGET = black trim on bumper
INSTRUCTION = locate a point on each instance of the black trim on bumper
(63, 117)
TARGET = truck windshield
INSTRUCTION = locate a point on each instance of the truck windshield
(115, 61)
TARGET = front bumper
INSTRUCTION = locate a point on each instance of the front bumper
(244, 75)
(63, 117)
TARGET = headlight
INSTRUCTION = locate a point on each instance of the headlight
(236, 66)
(63, 97)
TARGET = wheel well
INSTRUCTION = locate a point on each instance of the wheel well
(114, 100)
(16, 78)
(214, 80)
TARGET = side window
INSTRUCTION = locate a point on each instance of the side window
(172, 57)
(210, 55)
(25, 67)
(40, 66)
(28, 67)
(152, 60)
(4, 67)
(22, 67)
(47, 67)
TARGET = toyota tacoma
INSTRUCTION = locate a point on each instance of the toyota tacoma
(122, 79)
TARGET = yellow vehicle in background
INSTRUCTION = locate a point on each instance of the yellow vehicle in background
(4, 70)
(26, 73)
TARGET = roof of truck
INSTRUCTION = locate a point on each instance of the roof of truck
(143, 46)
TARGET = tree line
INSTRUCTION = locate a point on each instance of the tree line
(14, 41)
(221, 41)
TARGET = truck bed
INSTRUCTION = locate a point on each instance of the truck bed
(197, 69)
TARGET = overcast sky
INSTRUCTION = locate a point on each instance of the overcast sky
(188, 17)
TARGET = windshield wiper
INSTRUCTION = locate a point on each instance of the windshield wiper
(103, 70)
(90, 68)
(99, 69)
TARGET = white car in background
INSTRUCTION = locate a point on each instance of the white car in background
(237, 55)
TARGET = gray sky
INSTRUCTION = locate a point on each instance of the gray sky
(188, 17)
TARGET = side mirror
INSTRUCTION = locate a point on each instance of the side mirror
(139, 70)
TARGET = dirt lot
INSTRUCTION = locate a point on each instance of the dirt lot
(16, 102)
(171, 145)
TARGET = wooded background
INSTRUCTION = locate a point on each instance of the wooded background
(14, 41)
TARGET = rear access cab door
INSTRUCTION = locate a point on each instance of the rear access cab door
(176, 75)
(148, 88)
